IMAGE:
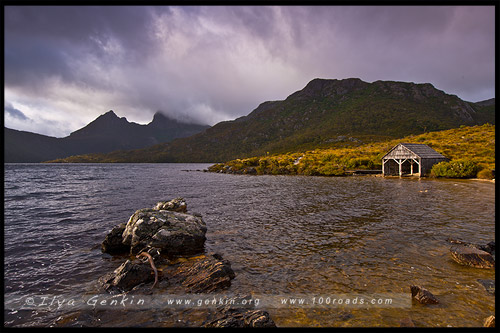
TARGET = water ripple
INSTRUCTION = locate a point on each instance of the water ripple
(281, 234)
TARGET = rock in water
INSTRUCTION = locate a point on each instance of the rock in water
(113, 244)
(127, 276)
(175, 205)
(406, 322)
(237, 317)
(206, 274)
(489, 322)
(470, 256)
(490, 247)
(423, 295)
(167, 227)
(489, 285)
(173, 233)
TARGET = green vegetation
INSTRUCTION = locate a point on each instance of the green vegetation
(455, 169)
(471, 150)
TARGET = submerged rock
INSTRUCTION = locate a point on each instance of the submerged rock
(489, 322)
(471, 256)
(406, 322)
(423, 295)
(240, 317)
(490, 247)
(489, 285)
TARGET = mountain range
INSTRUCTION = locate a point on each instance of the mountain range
(105, 134)
(325, 113)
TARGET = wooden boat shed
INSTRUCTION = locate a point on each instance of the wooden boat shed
(410, 158)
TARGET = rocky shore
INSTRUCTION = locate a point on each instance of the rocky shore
(165, 250)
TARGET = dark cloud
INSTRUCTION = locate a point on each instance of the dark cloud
(67, 65)
(13, 112)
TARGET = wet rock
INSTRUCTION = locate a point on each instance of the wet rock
(239, 317)
(344, 315)
(423, 295)
(250, 171)
(167, 227)
(155, 253)
(489, 285)
(174, 233)
(206, 274)
(406, 322)
(127, 276)
(489, 322)
(490, 247)
(175, 205)
(471, 256)
(113, 244)
(85, 318)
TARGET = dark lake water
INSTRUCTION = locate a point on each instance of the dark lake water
(282, 235)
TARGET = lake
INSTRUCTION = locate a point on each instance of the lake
(282, 234)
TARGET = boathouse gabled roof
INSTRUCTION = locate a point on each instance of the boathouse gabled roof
(418, 149)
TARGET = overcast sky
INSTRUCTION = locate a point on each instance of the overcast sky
(65, 66)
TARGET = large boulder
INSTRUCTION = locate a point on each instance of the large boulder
(471, 256)
(173, 233)
(201, 274)
(204, 274)
(166, 227)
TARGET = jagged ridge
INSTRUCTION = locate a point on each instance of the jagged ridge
(105, 134)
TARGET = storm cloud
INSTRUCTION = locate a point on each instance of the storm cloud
(64, 66)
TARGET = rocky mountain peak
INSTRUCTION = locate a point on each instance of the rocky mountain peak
(328, 87)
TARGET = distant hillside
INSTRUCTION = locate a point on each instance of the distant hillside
(105, 134)
(24, 147)
(323, 113)
(473, 143)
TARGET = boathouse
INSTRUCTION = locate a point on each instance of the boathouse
(410, 159)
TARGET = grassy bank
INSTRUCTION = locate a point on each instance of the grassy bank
(471, 144)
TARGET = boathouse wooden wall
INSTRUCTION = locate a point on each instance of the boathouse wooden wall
(410, 158)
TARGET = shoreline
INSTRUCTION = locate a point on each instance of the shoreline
(350, 174)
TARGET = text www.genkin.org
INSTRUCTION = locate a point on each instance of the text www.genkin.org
(124, 301)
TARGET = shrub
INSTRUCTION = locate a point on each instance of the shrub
(485, 174)
(216, 167)
(331, 170)
(455, 169)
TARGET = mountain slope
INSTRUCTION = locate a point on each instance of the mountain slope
(106, 133)
(325, 112)
(24, 147)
